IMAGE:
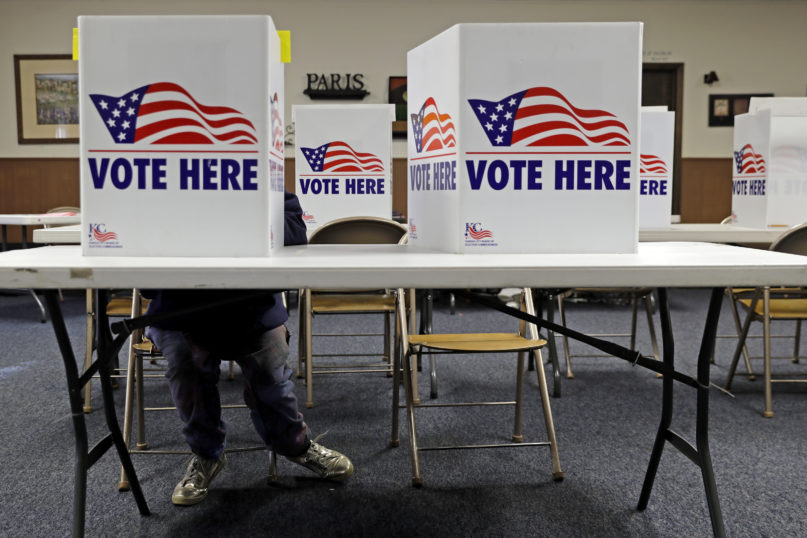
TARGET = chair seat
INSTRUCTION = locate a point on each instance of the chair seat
(122, 306)
(353, 303)
(479, 342)
(781, 308)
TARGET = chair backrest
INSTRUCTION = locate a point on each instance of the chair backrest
(793, 241)
(62, 209)
(359, 230)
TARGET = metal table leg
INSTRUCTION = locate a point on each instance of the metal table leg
(700, 454)
(75, 382)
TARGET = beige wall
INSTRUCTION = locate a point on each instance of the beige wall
(755, 46)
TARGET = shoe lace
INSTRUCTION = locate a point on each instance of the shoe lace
(194, 471)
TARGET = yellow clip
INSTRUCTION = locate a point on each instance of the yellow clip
(75, 43)
(285, 46)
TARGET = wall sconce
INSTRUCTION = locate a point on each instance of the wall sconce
(710, 78)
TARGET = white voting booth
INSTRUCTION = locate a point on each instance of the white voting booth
(343, 161)
(181, 135)
(525, 138)
(656, 147)
(769, 183)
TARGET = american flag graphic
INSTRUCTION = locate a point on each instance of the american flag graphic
(651, 164)
(165, 113)
(277, 124)
(103, 237)
(432, 130)
(789, 160)
(748, 161)
(477, 234)
(340, 157)
(542, 116)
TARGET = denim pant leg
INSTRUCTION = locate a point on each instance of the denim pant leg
(269, 393)
(193, 374)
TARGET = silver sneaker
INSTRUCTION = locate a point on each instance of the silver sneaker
(192, 489)
(324, 462)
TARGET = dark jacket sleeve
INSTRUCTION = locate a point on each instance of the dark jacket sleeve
(294, 232)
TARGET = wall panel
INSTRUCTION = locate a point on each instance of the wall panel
(32, 185)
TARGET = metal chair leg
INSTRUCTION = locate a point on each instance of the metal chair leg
(766, 332)
(89, 327)
(737, 324)
(309, 367)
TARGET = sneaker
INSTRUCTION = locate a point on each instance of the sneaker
(324, 462)
(192, 489)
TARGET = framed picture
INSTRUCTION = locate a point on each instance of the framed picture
(47, 98)
(723, 108)
(397, 96)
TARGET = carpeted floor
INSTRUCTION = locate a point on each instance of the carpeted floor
(605, 420)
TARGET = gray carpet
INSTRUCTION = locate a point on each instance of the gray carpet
(605, 421)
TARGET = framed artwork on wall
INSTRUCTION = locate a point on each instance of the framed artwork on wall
(723, 107)
(47, 98)
(397, 96)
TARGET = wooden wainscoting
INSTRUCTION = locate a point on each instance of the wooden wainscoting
(33, 185)
(30, 185)
(705, 189)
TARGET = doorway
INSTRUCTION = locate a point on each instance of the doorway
(663, 85)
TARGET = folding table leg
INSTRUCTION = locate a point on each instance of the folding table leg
(84, 458)
(700, 454)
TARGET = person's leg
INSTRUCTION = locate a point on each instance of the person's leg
(269, 393)
(193, 374)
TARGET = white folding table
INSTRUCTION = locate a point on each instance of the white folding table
(36, 219)
(712, 233)
(660, 265)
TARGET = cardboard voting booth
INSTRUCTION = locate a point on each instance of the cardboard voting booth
(181, 136)
(525, 138)
(769, 183)
(656, 149)
(343, 161)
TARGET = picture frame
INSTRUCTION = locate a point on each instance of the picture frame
(397, 96)
(723, 107)
(47, 98)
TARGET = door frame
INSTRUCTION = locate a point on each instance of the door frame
(677, 69)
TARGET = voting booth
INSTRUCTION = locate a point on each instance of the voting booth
(769, 166)
(181, 135)
(343, 161)
(656, 150)
(525, 138)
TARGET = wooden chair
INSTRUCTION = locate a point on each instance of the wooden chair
(349, 230)
(407, 349)
(141, 349)
(776, 304)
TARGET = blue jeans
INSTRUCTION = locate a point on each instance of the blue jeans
(193, 374)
